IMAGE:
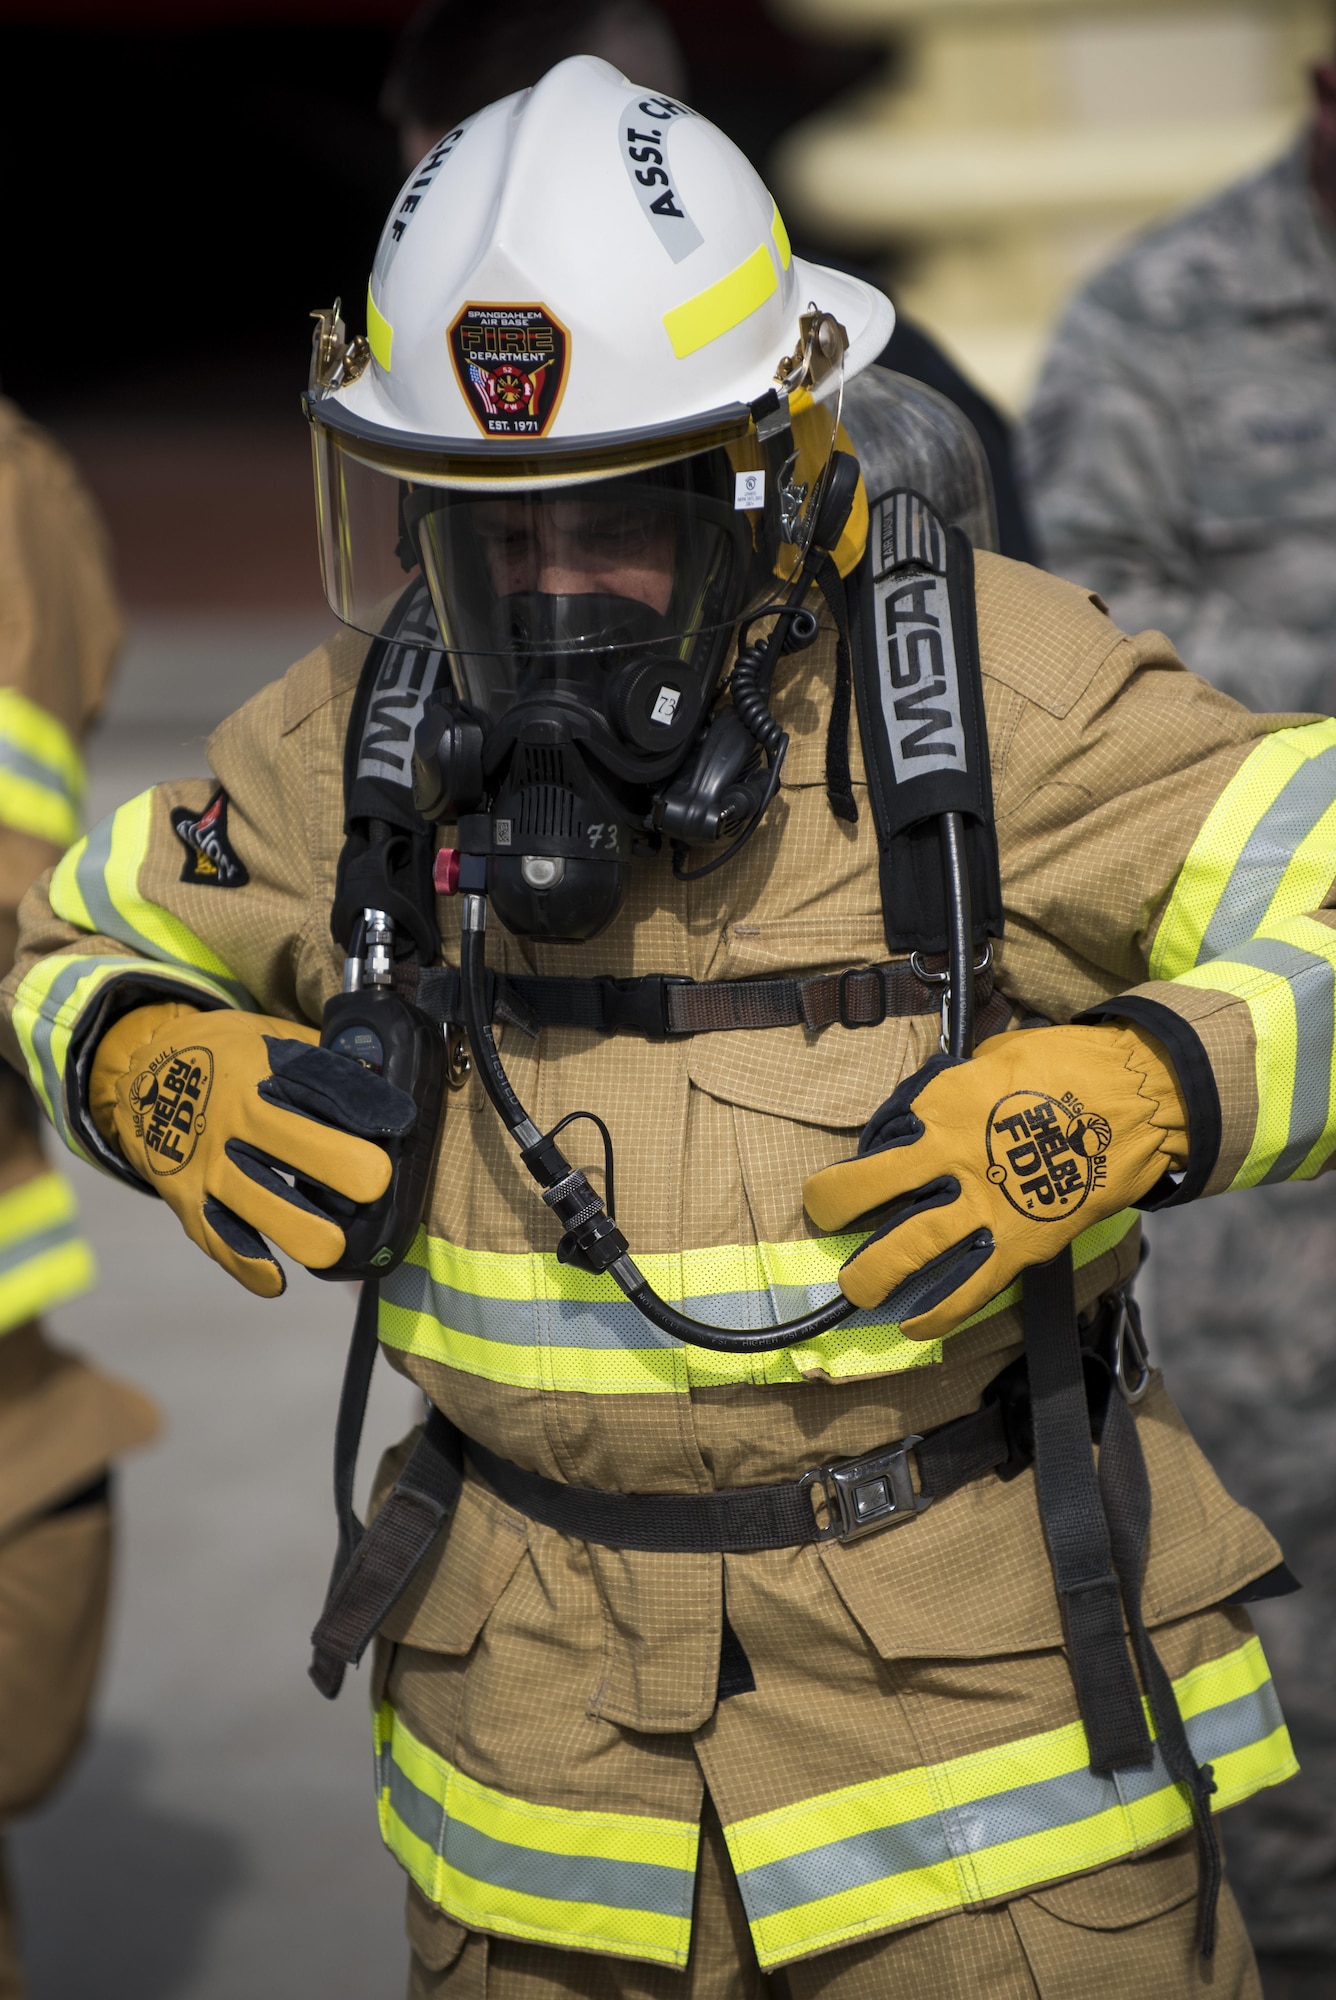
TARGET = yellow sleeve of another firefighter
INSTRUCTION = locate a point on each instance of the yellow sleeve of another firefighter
(214, 891)
(60, 630)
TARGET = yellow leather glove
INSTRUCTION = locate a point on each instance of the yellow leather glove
(212, 1108)
(997, 1163)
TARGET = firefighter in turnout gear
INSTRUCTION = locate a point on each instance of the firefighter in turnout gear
(62, 1422)
(664, 1702)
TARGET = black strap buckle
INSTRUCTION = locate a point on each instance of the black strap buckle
(870, 985)
(863, 1495)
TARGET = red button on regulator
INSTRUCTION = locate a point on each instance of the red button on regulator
(445, 871)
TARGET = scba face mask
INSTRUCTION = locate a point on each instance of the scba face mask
(586, 630)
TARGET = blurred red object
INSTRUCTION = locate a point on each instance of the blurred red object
(108, 15)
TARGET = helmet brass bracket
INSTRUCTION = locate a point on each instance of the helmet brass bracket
(335, 360)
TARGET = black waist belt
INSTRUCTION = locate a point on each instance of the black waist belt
(837, 1502)
(831, 1503)
(661, 1007)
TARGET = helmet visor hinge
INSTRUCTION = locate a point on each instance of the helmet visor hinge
(335, 360)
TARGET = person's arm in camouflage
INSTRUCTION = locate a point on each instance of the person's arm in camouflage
(1109, 467)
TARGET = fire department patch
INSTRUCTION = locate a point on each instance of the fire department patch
(511, 364)
(210, 855)
(168, 1101)
(1046, 1153)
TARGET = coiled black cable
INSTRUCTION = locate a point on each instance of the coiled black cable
(553, 1172)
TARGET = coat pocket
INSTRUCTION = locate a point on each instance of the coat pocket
(971, 1577)
(465, 1571)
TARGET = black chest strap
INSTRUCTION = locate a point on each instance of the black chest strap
(663, 1008)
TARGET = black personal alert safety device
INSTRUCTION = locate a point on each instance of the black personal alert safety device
(377, 1027)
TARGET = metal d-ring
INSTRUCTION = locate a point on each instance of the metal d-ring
(942, 980)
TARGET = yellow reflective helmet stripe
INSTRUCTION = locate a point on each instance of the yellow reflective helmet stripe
(825, 1870)
(44, 1261)
(722, 306)
(379, 333)
(1266, 851)
(55, 997)
(523, 1320)
(994, 1823)
(41, 771)
(589, 1881)
(96, 887)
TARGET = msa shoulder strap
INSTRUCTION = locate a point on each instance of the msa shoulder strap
(387, 850)
(919, 694)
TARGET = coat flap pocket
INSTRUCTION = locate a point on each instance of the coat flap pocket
(435, 1939)
(1130, 1892)
(835, 1078)
(971, 1577)
(465, 1571)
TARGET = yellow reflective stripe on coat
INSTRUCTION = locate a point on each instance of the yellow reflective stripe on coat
(995, 1823)
(96, 886)
(41, 772)
(1266, 851)
(825, 1870)
(1287, 980)
(53, 1000)
(1239, 922)
(524, 1320)
(589, 1881)
(44, 1261)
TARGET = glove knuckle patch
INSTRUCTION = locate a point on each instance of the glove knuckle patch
(168, 1102)
(1045, 1153)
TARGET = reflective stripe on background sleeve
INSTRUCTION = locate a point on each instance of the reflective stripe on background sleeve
(993, 1824)
(41, 772)
(44, 1261)
(524, 1320)
(590, 1881)
(1238, 922)
(96, 887)
(52, 1000)
(827, 1870)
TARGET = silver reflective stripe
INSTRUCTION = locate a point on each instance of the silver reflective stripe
(44, 1028)
(1260, 868)
(533, 1871)
(25, 766)
(598, 1323)
(1045, 1807)
(91, 873)
(1313, 983)
(91, 876)
(646, 126)
(27, 1248)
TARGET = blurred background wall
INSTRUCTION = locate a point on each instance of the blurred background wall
(1000, 149)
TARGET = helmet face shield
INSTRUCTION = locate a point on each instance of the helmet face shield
(617, 597)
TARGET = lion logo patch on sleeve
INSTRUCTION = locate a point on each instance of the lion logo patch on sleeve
(211, 859)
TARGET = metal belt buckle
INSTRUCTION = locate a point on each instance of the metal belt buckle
(865, 1494)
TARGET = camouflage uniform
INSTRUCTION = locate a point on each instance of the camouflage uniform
(1182, 453)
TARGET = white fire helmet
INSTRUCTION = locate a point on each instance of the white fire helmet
(584, 286)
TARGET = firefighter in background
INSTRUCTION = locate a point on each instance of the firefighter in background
(62, 1422)
(754, 1749)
